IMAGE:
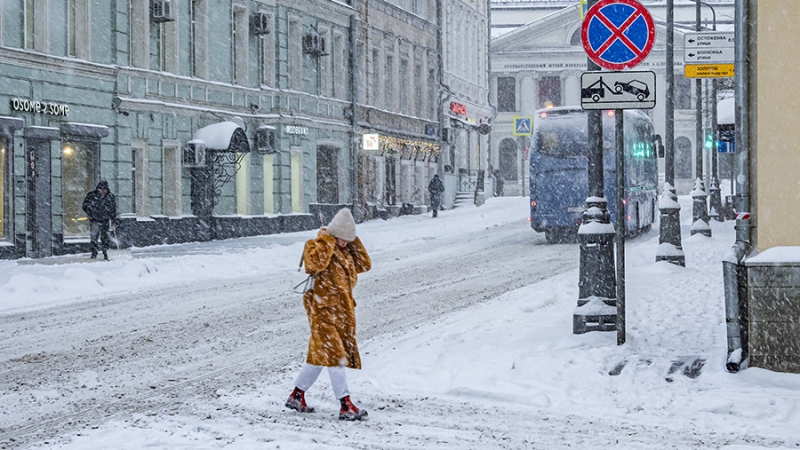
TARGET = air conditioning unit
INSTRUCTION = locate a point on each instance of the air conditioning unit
(265, 140)
(161, 11)
(194, 154)
(314, 44)
(261, 23)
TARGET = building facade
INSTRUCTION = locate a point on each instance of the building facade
(467, 112)
(539, 65)
(397, 70)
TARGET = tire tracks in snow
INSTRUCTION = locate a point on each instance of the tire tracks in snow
(160, 350)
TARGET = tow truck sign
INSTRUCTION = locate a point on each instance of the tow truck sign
(618, 90)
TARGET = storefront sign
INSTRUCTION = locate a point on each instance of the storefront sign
(24, 105)
(372, 142)
(458, 108)
(294, 129)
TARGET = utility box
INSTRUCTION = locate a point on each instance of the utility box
(773, 309)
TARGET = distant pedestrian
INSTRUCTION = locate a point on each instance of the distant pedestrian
(335, 258)
(435, 188)
(499, 181)
(101, 208)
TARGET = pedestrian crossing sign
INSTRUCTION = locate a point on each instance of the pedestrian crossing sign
(582, 7)
(522, 126)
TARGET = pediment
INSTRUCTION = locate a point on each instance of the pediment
(558, 30)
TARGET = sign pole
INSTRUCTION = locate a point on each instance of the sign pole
(619, 126)
(596, 272)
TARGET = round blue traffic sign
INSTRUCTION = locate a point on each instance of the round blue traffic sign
(618, 34)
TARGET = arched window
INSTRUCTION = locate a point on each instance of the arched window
(575, 40)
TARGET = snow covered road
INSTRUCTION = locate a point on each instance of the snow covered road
(464, 330)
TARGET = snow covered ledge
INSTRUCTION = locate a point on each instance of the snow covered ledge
(773, 309)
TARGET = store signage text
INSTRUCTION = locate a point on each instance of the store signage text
(294, 129)
(24, 105)
(458, 108)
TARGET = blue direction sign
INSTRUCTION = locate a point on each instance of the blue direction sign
(618, 34)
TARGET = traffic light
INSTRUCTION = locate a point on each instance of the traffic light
(709, 140)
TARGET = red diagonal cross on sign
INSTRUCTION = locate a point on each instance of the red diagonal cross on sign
(618, 33)
(618, 47)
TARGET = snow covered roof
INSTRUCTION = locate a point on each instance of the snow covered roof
(224, 136)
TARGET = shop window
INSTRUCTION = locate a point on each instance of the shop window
(4, 220)
(243, 185)
(269, 187)
(506, 94)
(78, 178)
(297, 179)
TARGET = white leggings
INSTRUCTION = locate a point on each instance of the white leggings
(309, 373)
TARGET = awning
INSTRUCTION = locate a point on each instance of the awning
(228, 136)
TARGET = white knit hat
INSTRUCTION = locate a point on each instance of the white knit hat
(343, 226)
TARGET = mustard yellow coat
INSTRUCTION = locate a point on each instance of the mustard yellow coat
(330, 305)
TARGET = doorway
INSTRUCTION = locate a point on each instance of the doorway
(327, 174)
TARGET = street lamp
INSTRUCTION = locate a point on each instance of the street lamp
(716, 199)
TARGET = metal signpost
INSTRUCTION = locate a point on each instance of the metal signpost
(616, 35)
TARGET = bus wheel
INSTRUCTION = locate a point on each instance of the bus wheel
(552, 235)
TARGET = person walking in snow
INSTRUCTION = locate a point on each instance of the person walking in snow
(101, 208)
(335, 258)
(435, 188)
(500, 181)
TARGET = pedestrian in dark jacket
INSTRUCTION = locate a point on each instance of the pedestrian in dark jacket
(335, 257)
(435, 188)
(500, 180)
(101, 208)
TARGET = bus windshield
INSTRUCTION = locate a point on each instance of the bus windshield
(566, 136)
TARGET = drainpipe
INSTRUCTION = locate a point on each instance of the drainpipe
(489, 88)
(442, 84)
(732, 267)
(354, 141)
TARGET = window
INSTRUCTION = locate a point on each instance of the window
(4, 220)
(78, 28)
(171, 189)
(239, 43)
(267, 43)
(404, 87)
(198, 40)
(419, 82)
(549, 92)
(376, 78)
(30, 23)
(389, 86)
(506, 94)
(78, 176)
(295, 55)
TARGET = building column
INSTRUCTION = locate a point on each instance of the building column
(572, 88)
(528, 93)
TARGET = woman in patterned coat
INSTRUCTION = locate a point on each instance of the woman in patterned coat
(335, 257)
